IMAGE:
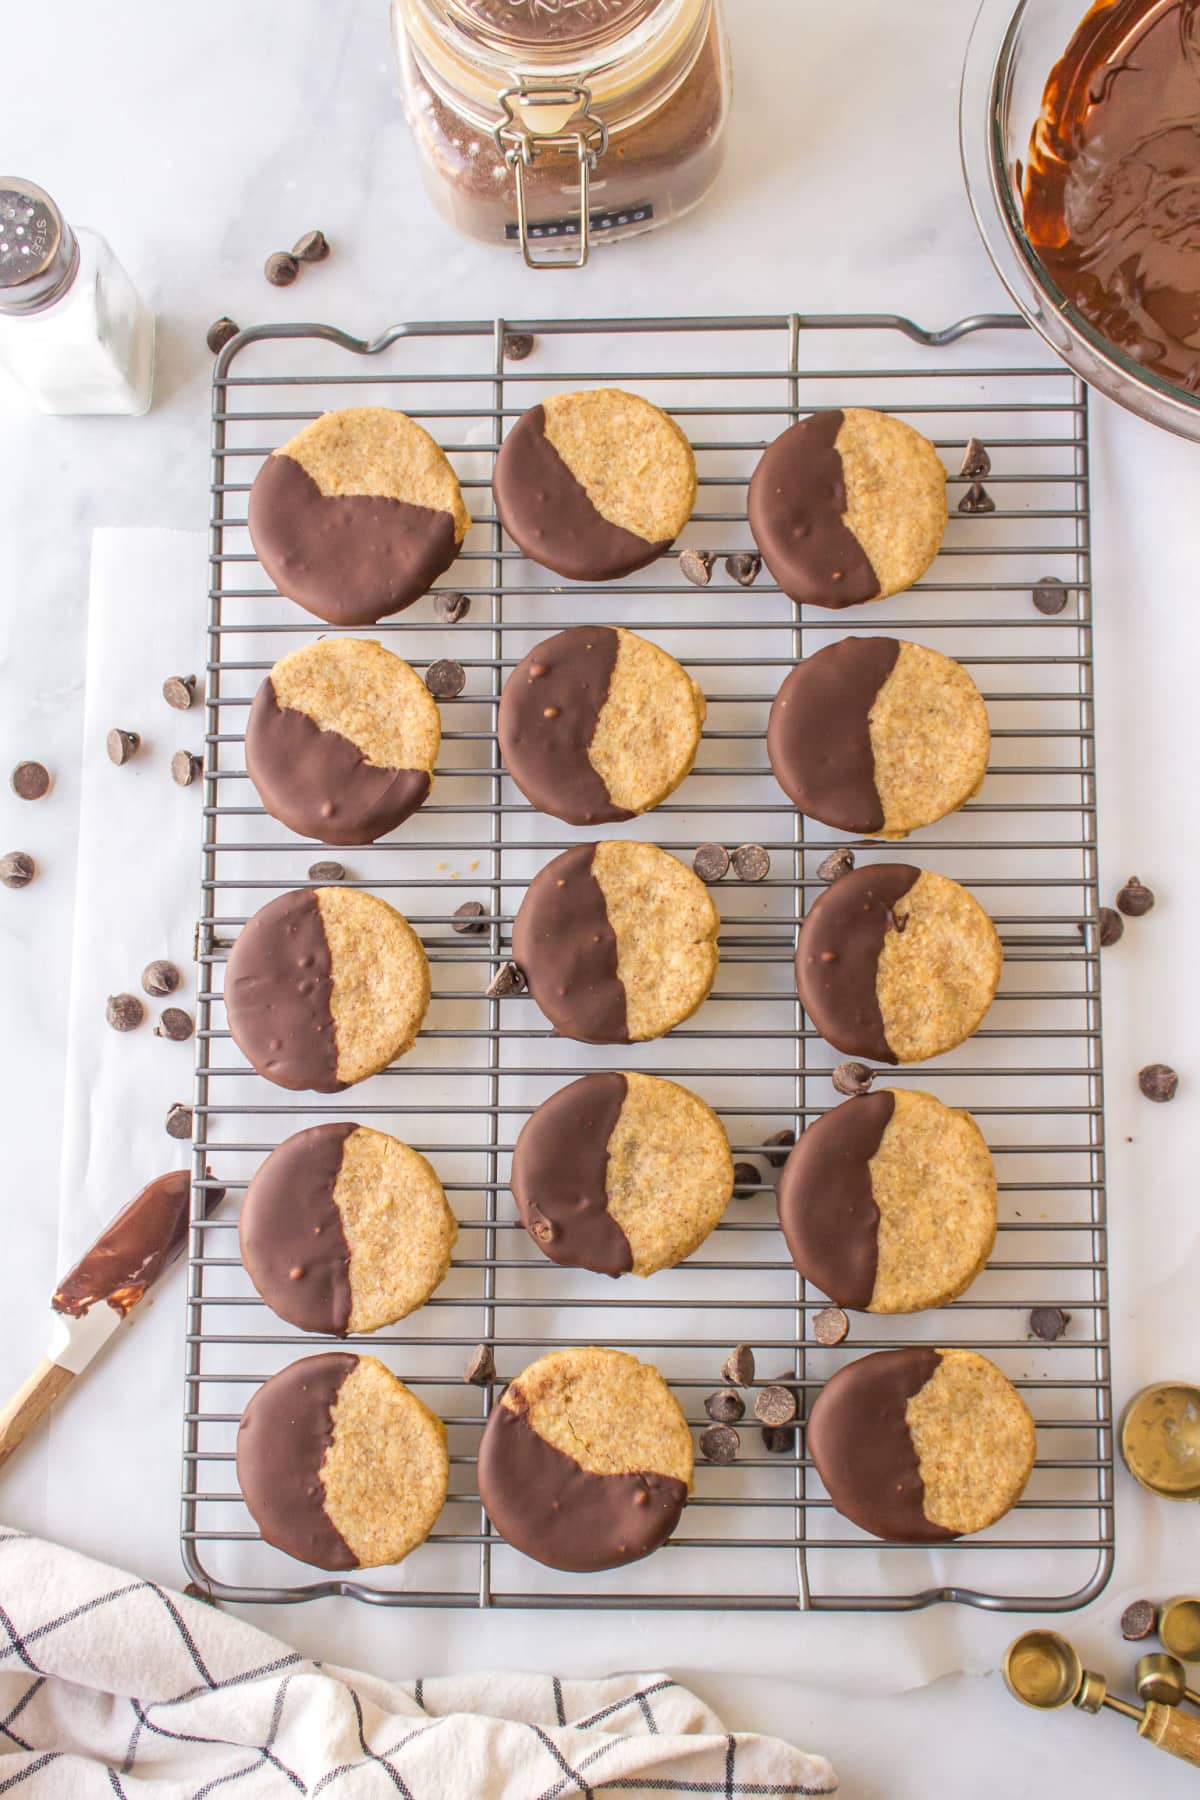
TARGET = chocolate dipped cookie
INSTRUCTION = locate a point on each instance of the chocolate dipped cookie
(878, 737)
(896, 964)
(342, 740)
(621, 1172)
(618, 942)
(919, 1446)
(848, 506)
(324, 987)
(344, 1229)
(340, 1464)
(597, 725)
(594, 485)
(586, 1462)
(357, 515)
(888, 1202)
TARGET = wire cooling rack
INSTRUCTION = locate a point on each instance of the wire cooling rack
(760, 1533)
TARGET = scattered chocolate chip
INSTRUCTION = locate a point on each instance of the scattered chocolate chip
(17, 869)
(976, 462)
(1112, 927)
(124, 1012)
(1050, 595)
(507, 980)
(725, 1407)
(517, 345)
(481, 1369)
(179, 1121)
(696, 566)
(179, 691)
(711, 863)
(1048, 1323)
(743, 567)
(186, 767)
(720, 1444)
(778, 1440)
(219, 333)
(1158, 1082)
(470, 919)
(778, 1145)
(160, 978)
(775, 1405)
(175, 1024)
(836, 864)
(852, 1078)
(976, 500)
(122, 745)
(281, 268)
(1135, 899)
(1139, 1621)
(312, 247)
(30, 781)
(830, 1325)
(738, 1367)
(445, 679)
(751, 862)
(746, 1175)
(450, 607)
(194, 1591)
(327, 871)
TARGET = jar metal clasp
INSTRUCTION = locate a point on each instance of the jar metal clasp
(555, 118)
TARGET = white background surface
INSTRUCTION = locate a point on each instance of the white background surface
(199, 139)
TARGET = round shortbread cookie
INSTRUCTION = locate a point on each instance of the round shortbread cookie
(888, 1202)
(342, 740)
(344, 1229)
(878, 737)
(848, 506)
(618, 942)
(357, 515)
(586, 1462)
(621, 1172)
(920, 1445)
(896, 964)
(597, 725)
(340, 1464)
(324, 987)
(594, 485)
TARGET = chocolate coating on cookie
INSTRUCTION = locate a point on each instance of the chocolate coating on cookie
(838, 955)
(859, 1439)
(278, 990)
(319, 783)
(797, 502)
(826, 1205)
(818, 734)
(544, 1504)
(559, 1176)
(563, 942)
(292, 1240)
(549, 711)
(548, 514)
(282, 1441)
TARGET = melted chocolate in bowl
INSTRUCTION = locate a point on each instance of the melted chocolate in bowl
(1111, 194)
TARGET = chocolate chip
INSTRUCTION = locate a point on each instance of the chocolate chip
(746, 1175)
(1050, 595)
(1048, 1323)
(312, 247)
(121, 745)
(179, 1121)
(775, 1406)
(124, 1012)
(186, 767)
(1112, 927)
(17, 869)
(830, 1325)
(719, 1444)
(220, 333)
(30, 781)
(445, 679)
(481, 1369)
(852, 1078)
(176, 1025)
(517, 345)
(696, 566)
(281, 268)
(976, 500)
(470, 919)
(1158, 1081)
(159, 978)
(1135, 898)
(779, 1142)
(836, 864)
(976, 462)
(725, 1407)
(205, 1595)
(751, 862)
(778, 1440)
(743, 567)
(507, 980)
(179, 691)
(1139, 1621)
(711, 863)
(450, 607)
(327, 871)
(738, 1367)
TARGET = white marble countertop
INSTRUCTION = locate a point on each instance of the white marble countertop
(200, 138)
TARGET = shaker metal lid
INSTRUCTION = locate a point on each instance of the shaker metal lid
(38, 249)
(552, 24)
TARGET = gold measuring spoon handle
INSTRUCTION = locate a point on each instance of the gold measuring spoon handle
(1170, 1729)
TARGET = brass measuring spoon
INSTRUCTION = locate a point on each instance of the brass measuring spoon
(1179, 1628)
(1042, 1670)
(1163, 1678)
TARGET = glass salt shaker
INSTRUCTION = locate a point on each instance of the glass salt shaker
(74, 331)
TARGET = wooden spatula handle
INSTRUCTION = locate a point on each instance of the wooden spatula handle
(1173, 1730)
(30, 1403)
